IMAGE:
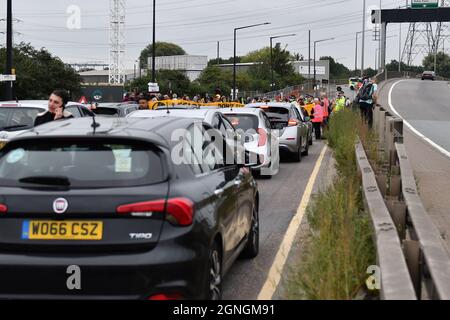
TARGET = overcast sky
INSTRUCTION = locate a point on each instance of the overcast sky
(197, 25)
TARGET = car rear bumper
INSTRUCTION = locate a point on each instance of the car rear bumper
(107, 276)
(289, 145)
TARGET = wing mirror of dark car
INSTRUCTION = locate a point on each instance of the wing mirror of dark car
(251, 160)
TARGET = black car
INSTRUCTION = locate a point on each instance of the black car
(115, 109)
(111, 199)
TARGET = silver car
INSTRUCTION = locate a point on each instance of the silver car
(293, 130)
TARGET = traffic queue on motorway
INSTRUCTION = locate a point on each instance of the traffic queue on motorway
(149, 204)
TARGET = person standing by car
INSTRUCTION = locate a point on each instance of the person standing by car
(325, 105)
(318, 118)
(367, 95)
(56, 105)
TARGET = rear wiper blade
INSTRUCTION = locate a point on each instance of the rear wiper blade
(14, 127)
(47, 180)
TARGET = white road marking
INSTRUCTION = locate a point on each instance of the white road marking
(414, 130)
(274, 276)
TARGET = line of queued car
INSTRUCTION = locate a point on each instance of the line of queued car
(148, 204)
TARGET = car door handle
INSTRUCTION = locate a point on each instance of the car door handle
(219, 192)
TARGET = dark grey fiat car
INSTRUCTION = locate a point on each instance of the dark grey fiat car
(115, 203)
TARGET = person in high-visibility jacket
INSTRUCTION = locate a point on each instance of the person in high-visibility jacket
(339, 104)
(318, 118)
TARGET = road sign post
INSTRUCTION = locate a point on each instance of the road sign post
(153, 87)
(7, 77)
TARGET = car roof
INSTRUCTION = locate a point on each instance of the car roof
(184, 113)
(254, 111)
(157, 130)
(270, 104)
(43, 104)
(116, 105)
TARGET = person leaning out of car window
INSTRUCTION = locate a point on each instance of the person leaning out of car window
(56, 105)
(143, 102)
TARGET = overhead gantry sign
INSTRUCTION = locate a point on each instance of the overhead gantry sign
(384, 17)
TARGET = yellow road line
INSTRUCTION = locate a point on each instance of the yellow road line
(274, 276)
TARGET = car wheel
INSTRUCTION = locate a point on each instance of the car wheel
(297, 156)
(251, 249)
(214, 289)
(306, 152)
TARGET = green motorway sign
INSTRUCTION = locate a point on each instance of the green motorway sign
(421, 4)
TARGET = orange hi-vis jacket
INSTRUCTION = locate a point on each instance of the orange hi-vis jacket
(318, 113)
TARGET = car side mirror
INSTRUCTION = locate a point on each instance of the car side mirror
(251, 160)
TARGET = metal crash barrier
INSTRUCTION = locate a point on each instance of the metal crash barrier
(396, 282)
(404, 231)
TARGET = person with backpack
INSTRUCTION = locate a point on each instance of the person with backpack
(366, 96)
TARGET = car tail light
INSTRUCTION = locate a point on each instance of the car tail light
(182, 210)
(292, 122)
(262, 137)
(179, 211)
(165, 296)
(3, 208)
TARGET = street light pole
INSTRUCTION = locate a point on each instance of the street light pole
(315, 42)
(154, 43)
(234, 56)
(363, 37)
(377, 51)
(272, 82)
(379, 42)
(309, 56)
(356, 54)
(9, 34)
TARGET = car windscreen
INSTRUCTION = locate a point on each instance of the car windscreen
(80, 163)
(20, 118)
(243, 121)
(110, 112)
(277, 114)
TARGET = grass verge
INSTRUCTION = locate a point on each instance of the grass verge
(334, 263)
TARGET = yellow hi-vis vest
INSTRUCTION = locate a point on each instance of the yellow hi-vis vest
(340, 104)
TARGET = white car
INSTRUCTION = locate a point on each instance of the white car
(17, 117)
(259, 137)
(212, 117)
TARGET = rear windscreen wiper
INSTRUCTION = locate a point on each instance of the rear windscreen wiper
(14, 127)
(47, 180)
